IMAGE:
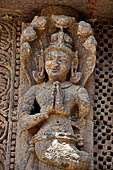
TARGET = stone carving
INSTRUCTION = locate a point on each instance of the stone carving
(9, 83)
(57, 57)
(5, 85)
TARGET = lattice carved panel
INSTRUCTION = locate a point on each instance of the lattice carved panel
(103, 99)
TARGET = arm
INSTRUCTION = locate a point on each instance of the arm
(28, 121)
(83, 102)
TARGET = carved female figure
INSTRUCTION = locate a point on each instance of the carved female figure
(54, 145)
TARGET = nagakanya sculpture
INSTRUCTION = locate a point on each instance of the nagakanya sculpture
(53, 144)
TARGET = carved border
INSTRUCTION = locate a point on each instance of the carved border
(10, 31)
(12, 131)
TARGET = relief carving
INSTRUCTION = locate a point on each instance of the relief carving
(9, 83)
(5, 85)
(57, 57)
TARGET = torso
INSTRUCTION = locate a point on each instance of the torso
(57, 123)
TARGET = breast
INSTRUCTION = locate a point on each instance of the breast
(43, 97)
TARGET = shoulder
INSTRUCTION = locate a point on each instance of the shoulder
(82, 90)
(83, 94)
(32, 90)
(74, 88)
(78, 90)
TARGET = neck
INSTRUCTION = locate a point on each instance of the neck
(52, 81)
(60, 79)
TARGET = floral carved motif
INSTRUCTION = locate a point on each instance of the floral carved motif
(9, 83)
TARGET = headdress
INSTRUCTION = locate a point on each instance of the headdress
(60, 41)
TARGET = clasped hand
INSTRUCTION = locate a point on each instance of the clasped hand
(56, 101)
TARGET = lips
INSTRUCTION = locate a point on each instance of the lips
(54, 70)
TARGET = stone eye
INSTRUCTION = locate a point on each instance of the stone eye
(63, 60)
(60, 60)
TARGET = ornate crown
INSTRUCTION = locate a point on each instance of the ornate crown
(60, 41)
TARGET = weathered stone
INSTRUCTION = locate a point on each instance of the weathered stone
(8, 78)
(45, 133)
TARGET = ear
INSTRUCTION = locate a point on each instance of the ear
(75, 79)
(38, 76)
(75, 76)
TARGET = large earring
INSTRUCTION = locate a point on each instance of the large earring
(39, 76)
(75, 76)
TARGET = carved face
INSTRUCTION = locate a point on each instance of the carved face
(57, 65)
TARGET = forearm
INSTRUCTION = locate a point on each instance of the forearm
(30, 121)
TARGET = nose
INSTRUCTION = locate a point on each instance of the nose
(56, 63)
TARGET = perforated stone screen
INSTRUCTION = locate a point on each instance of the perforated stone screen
(103, 99)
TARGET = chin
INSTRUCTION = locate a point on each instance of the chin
(55, 77)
